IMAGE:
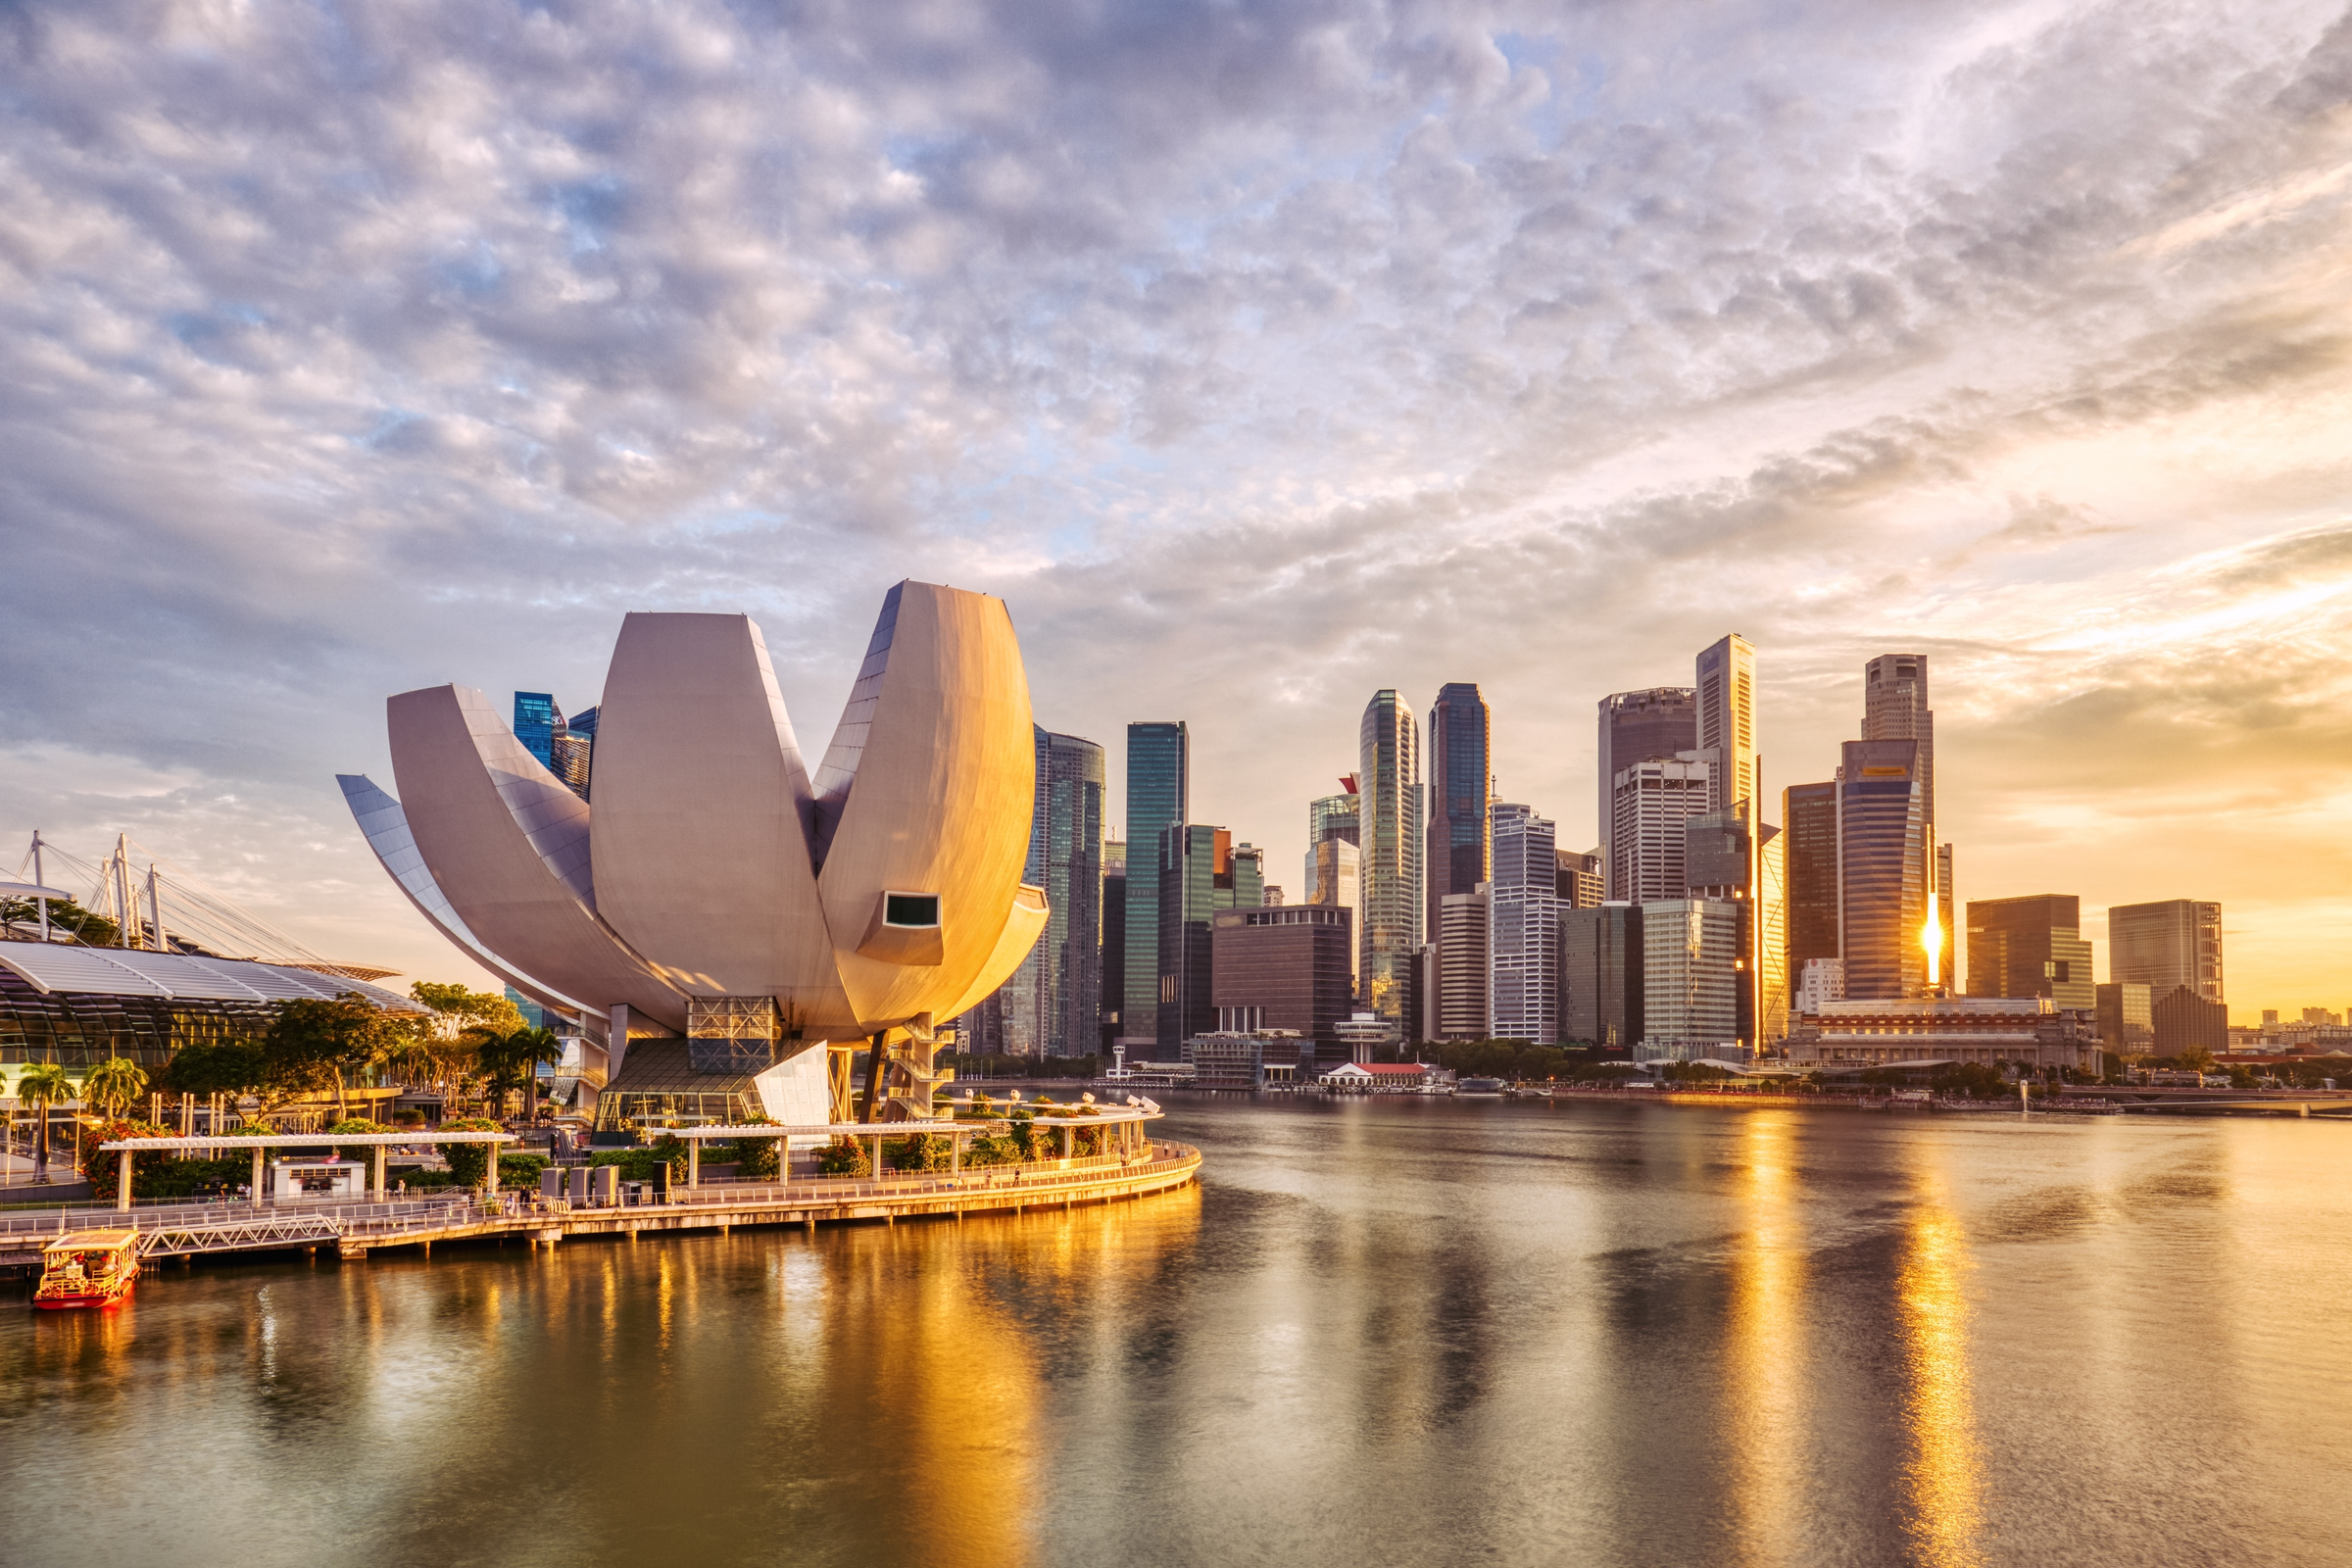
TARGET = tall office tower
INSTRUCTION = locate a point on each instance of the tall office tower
(1065, 858)
(2028, 946)
(1201, 871)
(1727, 719)
(1810, 811)
(2163, 946)
(1337, 878)
(536, 718)
(1689, 974)
(1159, 793)
(1460, 847)
(1894, 707)
(1580, 882)
(1464, 925)
(1389, 784)
(1726, 859)
(1654, 800)
(568, 752)
(1331, 819)
(1881, 870)
(1113, 992)
(1643, 726)
(1523, 945)
(2127, 1018)
(1600, 976)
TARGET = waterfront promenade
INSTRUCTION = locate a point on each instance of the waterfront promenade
(355, 1230)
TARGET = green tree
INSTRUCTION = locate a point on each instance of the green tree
(90, 928)
(217, 1067)
(470, 1163)
(43, 1085)
(312, 1043)
(510, 1060)
(115, 1085)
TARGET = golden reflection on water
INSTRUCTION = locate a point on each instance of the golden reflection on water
(1943, 1478)
(1764, 1370)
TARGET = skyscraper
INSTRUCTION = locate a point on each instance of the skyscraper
(1523, 944)
(1158, 795)
(1727, 719)
(1462, 779)
(2027, 947)
(1201, 871)
(1600, 976)
(1580, 884)
(1894, 707)
(1464, 930)
(1640, 726)
(1689, 975)
(1810, 811)
(1653, 800)
(1727, 859)
(1332, 817)
(1389, 782)
(2164, 945)
(536, 719)
(1883, 871)
(1053, 1004)
(1112, 995)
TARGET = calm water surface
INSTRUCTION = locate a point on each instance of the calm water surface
(1379, 1333)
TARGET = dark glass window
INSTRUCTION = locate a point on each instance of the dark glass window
(910, 908)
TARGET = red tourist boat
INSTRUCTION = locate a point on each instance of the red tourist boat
(89, 1268)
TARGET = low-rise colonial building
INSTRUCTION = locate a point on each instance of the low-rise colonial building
(2027, 1030)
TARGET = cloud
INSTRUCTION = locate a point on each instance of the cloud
(1260, 358)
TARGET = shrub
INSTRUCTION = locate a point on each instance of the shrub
(990, 1148)
(358, 1124)
(843, 1157)
(917, 1152)
(520, 1171)
(99, 1165)
(759, 1158)
(1023, 1134)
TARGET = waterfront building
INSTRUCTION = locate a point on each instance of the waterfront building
(1459, 849)
(1822, 980)
(1727, 720)
(1894, 707)
(2031, 946)
(1928, 1032)
(1523, 977)
(1158, 798)
(1463, 945)
(1238, 1059)
(1051, 1006)
(1653, 800)
(1580, 882)
(2127, 1018)
(2185, 1021)
(1690, 978)
(1883, 871)
(1337, 883)
(1810, 815)
(1392, 815)
(1289, 968)
(1600, 976)
(77, 1006)
(860, 901)
(1112, 949)
(1364, 1033)
(1641, 726)
(2172, 942)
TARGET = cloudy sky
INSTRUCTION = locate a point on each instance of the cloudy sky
(1259, 356)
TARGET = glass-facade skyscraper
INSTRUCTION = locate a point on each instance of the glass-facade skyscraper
(1158, 795)
(1727, 719)
(1811, 839)
(536, 720)
(1054, 1001)
(1894, 707)
(1389, 782)
(1883, 871)
(2166, 945)
(2031, 946)
(1201, 871)
(1460, 847)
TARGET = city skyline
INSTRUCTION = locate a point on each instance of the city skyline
(1249, 402)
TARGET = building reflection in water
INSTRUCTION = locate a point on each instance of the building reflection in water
(1943, 1473)
(1765, 1338)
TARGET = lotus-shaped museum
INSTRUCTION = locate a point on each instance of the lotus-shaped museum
(715, 889)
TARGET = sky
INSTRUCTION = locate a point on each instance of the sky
(1258, 355)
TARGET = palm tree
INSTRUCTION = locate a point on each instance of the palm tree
(510, 1058)
(115, 1085)
(43, 1084)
